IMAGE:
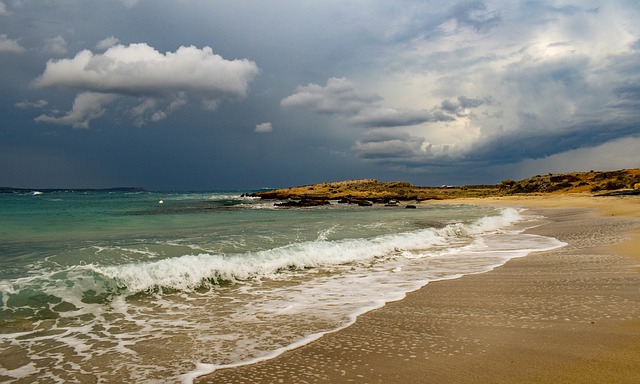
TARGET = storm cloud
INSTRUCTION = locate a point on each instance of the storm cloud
(192, 94)
(340, 97)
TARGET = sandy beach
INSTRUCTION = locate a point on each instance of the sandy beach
(571, 315)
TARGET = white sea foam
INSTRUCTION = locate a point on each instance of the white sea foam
(491, 245)
(189, 272)
(286, 295)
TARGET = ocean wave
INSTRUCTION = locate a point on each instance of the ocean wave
(190, 272)
(95, 282)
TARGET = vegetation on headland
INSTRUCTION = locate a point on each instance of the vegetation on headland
(376, 191)
(595, 182)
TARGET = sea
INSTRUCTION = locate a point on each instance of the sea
(162, 287)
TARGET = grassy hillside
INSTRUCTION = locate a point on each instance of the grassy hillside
(575, 182)
(371, 189)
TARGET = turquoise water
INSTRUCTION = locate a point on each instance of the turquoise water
(148, 287)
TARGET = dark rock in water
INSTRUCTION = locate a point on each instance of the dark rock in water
(365, 203)
(623, 192)
(392, 203)
(302, 203)
(410, 206)
(350, 200)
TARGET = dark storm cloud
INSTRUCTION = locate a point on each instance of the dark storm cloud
(390, 117)
(403, 150)
(424, 20)
(559, 106)
(461, 105)
(340, 90)
(629, 93)
(340, 97)
(475, 15)
(412, 151)
(389, 146)
(535, 145)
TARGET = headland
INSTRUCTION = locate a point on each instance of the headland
(352, 191)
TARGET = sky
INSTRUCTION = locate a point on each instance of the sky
(204, 94)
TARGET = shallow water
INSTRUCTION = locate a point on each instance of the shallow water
(113, 287)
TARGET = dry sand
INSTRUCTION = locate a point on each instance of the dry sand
(571, 315)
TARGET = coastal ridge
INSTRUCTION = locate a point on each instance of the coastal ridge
(625, 181)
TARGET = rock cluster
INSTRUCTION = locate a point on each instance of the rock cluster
(302, 203)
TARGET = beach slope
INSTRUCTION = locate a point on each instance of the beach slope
(571, 315)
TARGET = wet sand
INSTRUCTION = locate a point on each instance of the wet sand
(570, 315)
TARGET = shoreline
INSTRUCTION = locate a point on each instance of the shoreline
(567, 315)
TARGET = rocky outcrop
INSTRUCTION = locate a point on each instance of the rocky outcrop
(302, 203)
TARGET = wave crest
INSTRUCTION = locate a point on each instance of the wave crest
(190, 272)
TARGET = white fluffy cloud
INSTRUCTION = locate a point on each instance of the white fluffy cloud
(264, 128)
(9, 45)
(141, 70)
(129, 3)
(57, 46)
(107, 43)
(138, 70)
(150, 110)
(32, 104)
(339, 97)
(86, 107)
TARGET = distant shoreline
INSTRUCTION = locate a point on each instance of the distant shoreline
(49, 190)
